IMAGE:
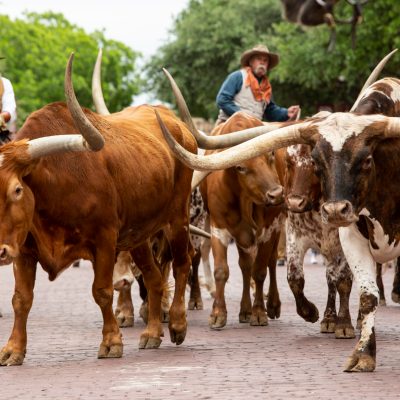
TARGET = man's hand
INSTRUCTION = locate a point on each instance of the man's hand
(293, 112)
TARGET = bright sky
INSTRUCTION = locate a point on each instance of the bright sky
(141, 24)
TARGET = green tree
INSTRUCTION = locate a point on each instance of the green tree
(36, 50)
(208, 37)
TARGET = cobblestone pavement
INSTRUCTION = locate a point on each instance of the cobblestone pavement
(289, 358)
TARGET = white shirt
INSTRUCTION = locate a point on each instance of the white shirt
(9, 104)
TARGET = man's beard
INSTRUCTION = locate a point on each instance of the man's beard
(260, 70)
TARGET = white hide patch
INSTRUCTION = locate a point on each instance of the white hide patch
(337, 128)
(276, 226)
(1, 160)
(298, 159)
(222, 235)
(356, 249)
(394, 95)
(386, 251)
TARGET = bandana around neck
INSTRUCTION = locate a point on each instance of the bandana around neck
(261, 91)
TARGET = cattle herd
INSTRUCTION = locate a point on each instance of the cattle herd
(328, 182)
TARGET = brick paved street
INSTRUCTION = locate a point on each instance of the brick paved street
(287, 359)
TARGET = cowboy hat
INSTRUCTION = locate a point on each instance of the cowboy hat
(259, 49)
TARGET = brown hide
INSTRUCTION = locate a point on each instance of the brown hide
(302, 187)
(239, 202)
(89, 205)
(99, 189)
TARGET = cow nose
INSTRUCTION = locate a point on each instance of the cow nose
(337, 211)
(275, 195)
(296, 203)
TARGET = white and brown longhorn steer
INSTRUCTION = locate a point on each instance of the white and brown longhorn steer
(357, 158)
(304, 230)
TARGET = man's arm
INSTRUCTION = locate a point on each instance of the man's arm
(231, 86)
(274, 113)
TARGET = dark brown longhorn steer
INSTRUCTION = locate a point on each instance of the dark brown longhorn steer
(304, 230)
(357, 158)
(318, 12)
(245, 203)
(117, 198)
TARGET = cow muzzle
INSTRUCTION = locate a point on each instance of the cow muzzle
(275, 196)
(6, 254)
(298, 204)
(338, 213)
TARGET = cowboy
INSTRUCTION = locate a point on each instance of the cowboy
(249, 89)
(8, 109)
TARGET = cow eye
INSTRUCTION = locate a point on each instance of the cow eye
(367, 163)
(18, 191)
(240, 169)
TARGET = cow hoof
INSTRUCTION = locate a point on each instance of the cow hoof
(327, 326)
(244, 317)
(217, 321)
(259, 318)
(125, 322)
(344, 332)
(144, 312)
(195, 304)
(113, 351)
(395, 297)
(147, 342)
(177, 336)
(360, 363)
(274, 310)
(382, 302)
(8, 358)
(308, 311)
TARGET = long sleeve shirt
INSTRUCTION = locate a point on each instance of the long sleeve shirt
(8, 102)
(231, 86)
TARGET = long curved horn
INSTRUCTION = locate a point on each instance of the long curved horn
(198, 177)
(372, 78)
(283, 137)
(97, 93)
(194, 230)
(215, 142)
(91, 139)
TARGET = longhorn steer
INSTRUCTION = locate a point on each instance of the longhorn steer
(118, 198)
(357, 160)
(245, 204)
(304, 230)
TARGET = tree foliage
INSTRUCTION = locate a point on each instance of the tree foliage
(208, 37)
(36, 50)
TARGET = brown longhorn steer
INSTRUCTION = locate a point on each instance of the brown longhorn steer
(245, 203)
(304, 230)
(357, 158)
(117, 199)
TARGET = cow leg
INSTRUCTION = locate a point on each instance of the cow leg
(379, 282)
(195, 301)
(122, 281)
(273, 301)
(295, 251)
(246, 262)
(396, 283)
(357, 252)
(182, 250)
(328, 323)
(205, 259)
(165, 272)
(13, 353)
(218, 316)
(143, 258)
(102, 290)
(344, 328)
(124, 311)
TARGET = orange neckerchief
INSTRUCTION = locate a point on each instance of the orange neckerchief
(261, 91)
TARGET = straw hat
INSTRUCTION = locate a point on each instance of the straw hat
(259, 49)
